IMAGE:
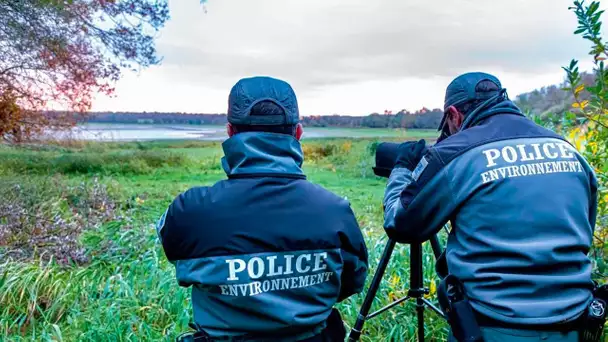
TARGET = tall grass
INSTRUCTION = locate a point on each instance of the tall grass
(108, 163)
(116, 298)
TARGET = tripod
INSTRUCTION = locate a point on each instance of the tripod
(416, 290)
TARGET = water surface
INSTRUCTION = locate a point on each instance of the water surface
(143, 132)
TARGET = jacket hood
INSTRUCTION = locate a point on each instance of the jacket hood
(254, 153)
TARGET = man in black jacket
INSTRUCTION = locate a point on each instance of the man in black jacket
(267, 253)
(522, 203)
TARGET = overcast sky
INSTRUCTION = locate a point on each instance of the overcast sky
(350, 56)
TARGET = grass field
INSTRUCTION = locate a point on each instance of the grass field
(79, 259)
(337, 132)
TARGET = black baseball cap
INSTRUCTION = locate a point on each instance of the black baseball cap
(247, 92)
(464, 88)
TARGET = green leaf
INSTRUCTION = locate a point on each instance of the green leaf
(601, 265)
(573, 63)
(570, 116)
(597, 27)
(594, 6)
(596, 16)
(57, 332)
(581, 30)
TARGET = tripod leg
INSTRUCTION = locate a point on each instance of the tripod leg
(420, 312)
(416, 285)
(355, 332)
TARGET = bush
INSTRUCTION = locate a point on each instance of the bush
(586, 125)
(77, 163)
(317, 151)
(70, 162)
(43, 219)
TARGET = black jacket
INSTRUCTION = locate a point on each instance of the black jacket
(266, 251)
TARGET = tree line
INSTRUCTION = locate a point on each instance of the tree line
(423, 118)
(550, 99)
(553, 99)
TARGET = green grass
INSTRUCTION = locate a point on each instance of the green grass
(339, 132)
(125, 290)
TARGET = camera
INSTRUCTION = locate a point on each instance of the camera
(458, 312)
(386, 157)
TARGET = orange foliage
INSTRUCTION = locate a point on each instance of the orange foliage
(57, 52)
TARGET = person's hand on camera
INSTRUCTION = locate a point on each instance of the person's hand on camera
(410, 154)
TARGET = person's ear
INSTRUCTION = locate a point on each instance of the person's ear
(454, 119)
(299, 131)
(230, 130)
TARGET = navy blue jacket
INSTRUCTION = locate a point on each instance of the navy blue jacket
(522, 204)
(265, 251)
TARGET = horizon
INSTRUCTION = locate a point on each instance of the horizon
(353, 70)
(224, 113)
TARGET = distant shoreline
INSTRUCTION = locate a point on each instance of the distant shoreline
(422, 119)
(124, 132)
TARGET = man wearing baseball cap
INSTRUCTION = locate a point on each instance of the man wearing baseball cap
(522, 205)
(267, 253)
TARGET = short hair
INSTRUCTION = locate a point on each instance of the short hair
(264, 108)
(485, 86)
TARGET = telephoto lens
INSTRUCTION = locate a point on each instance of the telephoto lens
(386, 157)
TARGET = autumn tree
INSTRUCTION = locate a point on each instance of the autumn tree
(64, 52)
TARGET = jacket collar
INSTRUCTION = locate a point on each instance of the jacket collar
(485, 111)
(262, 154)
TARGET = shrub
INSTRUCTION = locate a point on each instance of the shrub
(43, 218)
(70, 162)
(318, 151)
(586, 124)
(77, 163)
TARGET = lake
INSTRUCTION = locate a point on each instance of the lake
(143, 132)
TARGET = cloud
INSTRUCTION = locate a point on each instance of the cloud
(352, 56)
(316, 43)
